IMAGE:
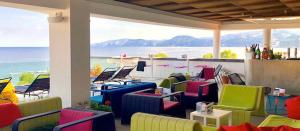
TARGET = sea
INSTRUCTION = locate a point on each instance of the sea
(16, 60)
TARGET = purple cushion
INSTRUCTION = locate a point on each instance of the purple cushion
(68, 115)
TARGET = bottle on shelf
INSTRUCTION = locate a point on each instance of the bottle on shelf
(265, 54)
(258, 53)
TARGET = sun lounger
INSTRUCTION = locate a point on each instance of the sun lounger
(41, 83)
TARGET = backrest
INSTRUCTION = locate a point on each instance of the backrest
(133, 103)
(148, 122)
(240, 96)
(166, 83)
(42, 82)
(3, 83)
(40, 106)
(115, 95)
(106, 74)
(218, 70)
(235, 79)
(123, 73)
(193, 86)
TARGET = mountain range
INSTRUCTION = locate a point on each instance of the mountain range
(281, 39)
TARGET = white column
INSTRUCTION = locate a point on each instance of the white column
(70, 54)
(267, 37)
(217, 44)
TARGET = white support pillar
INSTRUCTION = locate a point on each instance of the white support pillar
(267, 38)
(217, 44)
(70, 54)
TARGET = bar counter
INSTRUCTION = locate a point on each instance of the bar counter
(274, 73)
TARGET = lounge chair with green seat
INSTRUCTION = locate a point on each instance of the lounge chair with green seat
(149, 122)
(243, 101)
(168, 82)
(275, 121)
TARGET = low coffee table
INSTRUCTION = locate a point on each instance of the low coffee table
(216, 114)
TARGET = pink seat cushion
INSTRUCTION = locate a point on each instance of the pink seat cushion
(12, 112)
(208, 73)
(169, 104)
(68, 115)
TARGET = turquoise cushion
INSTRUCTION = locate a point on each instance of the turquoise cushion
(97, 99)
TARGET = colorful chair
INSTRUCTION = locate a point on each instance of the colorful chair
(148, 122)
(168, 82)
(275, 121)
(148, 102)
(114, 96)
(71, 120)
(196, 91)
(243, 101)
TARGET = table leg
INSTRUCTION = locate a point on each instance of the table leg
(230, 119)
(191, 116)
(218, 122)
(204, 121)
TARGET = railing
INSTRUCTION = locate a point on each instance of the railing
(163, 67)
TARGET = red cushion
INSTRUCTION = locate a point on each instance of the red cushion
(243, 127)
(249, 127)
(293, 107)
(193, 86)
(169, 104)
(68, 115)
(208, 73)
(8, 114)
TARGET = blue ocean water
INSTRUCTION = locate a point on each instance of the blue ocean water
(15, 60)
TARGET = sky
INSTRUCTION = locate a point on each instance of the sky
(23, 28)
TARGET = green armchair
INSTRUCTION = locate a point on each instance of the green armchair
(144, 122)
(243, 101)
(275, 121)
(168, 82)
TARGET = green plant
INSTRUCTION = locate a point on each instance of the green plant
(207, 56)
(26, 78)
(228, 54)
(161, 55)
(99, 107)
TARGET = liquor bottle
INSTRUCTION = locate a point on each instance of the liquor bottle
(271, 54)
(258, 53)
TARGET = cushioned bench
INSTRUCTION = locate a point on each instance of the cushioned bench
(148, 122)
(114, 96)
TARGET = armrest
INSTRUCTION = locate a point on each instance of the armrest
(172, 94)
(17, 122)
(181, 82)
(142, 91)
(60, 127)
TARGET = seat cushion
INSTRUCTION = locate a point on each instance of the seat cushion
(13, 113)
(191, 94)
(239, 96)
(68, 115)
(97, 99)
(293, 107)
(169, 104)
